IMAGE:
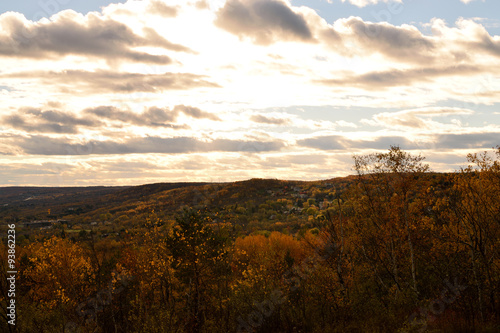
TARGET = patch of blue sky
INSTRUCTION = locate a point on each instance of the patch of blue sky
(36, 9)
(484, 114)
(6, 88)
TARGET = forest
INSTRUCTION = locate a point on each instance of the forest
(395, 247)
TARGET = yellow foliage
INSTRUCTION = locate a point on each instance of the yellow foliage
(59, 272)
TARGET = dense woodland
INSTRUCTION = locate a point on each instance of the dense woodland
(394, 248)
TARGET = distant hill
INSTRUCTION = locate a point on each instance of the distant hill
(34, 202)
(91, 203)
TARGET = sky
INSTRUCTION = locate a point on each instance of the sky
(135, 92)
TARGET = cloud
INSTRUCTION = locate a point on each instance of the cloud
(330, 142)
(416, 118)
(468, 1)
(160, 8)
(261, 119)
(468, 39)
(363, 3)
(295, 122)
(404, 43)
(18, 173)
(43, 145)
(473, 140)
(395, 77)
(152, 116)
(34, 120)
(338, 142)
(467, 140)
(460, 45)
(263, 21)
(70, 33)
(153, 37)
(202, 4)
(480, 40)
(195, 112)
(343, 123)
(107, 81)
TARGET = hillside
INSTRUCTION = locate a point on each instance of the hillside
(28, 203)
(256, 199)
(85, 204)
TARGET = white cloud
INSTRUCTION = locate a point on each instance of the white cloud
(420, 119)
(468, 1)
(363, 3)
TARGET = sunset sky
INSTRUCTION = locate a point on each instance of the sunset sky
(133, 92)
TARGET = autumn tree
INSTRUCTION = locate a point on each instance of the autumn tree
(152, 296)
(59, 276)
(475, 204)
(388, 188)
(198, 246)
